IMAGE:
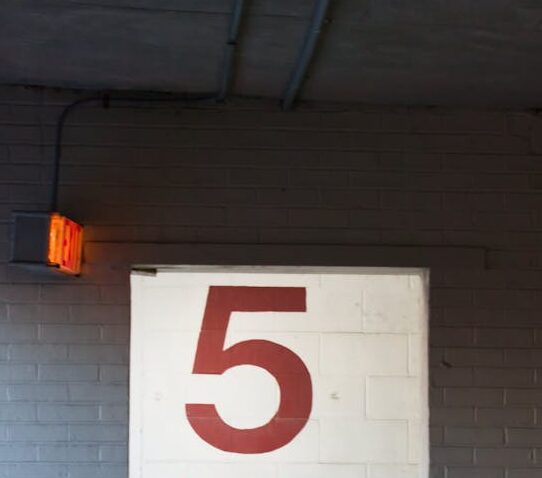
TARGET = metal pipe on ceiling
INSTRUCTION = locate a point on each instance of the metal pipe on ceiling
(306, 54)
(231, 45)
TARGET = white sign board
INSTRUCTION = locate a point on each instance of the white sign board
(274, 372)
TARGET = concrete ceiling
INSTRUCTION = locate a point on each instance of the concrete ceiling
(408, 52)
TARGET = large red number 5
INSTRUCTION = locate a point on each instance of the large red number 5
(288, 369)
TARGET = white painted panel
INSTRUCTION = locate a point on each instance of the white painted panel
(393, 471)
(362, 340)
(364, 354)
(394, 312)
(393, 398)
(362, 441)
(322, 471)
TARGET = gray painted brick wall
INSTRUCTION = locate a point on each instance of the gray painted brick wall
(460, 184)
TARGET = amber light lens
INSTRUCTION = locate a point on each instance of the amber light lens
(65, 244)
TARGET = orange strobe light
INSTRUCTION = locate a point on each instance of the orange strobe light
(65, 244)
(47, 240)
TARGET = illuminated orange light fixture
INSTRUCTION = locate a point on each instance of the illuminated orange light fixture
(65, 244)
(47, 240)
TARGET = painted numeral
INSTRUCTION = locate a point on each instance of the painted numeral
(288, 369)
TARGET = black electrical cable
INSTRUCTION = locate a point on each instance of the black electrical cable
(106, 99)
(233, 34)
(58, 148)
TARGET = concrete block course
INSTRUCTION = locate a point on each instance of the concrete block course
(428, 179)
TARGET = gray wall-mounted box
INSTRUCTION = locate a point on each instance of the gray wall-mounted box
(31, 238)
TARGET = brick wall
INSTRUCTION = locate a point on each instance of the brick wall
(454, 190)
